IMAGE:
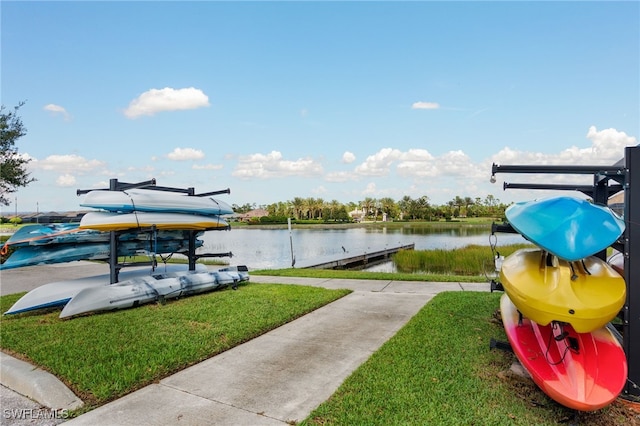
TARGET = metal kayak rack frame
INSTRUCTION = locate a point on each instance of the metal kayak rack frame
(607, 181)
(114, 240)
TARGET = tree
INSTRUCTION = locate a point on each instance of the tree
(13, 173)
(298, 206)
(405, 206)
(368, 205)
(389, 207)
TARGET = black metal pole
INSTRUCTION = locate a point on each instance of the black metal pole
(113, 244)
(553, 169)
(631, 312)
(192, 250)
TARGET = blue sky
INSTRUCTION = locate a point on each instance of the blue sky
(331, 100)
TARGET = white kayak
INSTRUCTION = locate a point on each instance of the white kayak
(145, 200)
(57, 294)
(141, 290)
(109, 221)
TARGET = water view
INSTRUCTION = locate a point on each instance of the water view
(271, 248)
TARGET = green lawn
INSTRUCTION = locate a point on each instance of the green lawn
(439, 370)
(101, 357)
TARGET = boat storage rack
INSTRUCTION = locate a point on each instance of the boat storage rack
(607, 181)
(114, 266)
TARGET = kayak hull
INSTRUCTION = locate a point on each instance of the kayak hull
(148, 289)
(582, 371)
(570, 228)
(61, 253)
(154, 201)
(586, 294)
(108, 221)
(57, 294)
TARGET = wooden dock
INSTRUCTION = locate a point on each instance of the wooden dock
(359, 261)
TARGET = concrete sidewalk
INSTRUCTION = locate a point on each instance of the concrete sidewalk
(281, 376)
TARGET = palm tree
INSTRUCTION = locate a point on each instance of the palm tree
(405, 206)
(318, 205)
(298, 206)
(307, 207)
(389, 206)
(333, 206)
(368, 204)
(423, 208)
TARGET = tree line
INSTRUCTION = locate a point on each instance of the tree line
(376, 209)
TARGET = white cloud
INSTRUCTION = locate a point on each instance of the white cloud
(167, 99)
(57, 110)
(272, 165)
(425, 105)
(68, 164)
(607, 147)
(370, 189)
(340, 176)
(415, 163)
(319, 190)
(207, 167)
(348, 157)
(184, 154)
(379, 163)
(457, 163)
(418, 163)
(66, 180)
(609, 144)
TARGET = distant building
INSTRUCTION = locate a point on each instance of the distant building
(616, 203)
(357, 215)
(252, 214)
(50, 217)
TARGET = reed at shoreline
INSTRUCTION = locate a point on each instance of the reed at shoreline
(472, 260)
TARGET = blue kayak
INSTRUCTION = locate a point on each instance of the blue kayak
(568, 227)
(64, 233)
(69, 252)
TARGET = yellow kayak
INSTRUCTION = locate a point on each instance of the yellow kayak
(109, 221)
(586, 294)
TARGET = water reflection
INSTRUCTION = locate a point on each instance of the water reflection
(270, 248)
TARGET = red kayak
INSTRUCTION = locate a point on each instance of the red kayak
(583, 371)
(616, 260)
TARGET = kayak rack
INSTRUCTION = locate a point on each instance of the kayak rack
(114, 240)
(607, 181)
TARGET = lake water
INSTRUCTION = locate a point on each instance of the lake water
(271, 248)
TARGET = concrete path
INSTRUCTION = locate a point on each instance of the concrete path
(281, 376)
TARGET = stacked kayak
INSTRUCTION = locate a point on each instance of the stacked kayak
(59, 293)
(586, 294)
(145, 200)
(144, 221)
(152, 288)
(560, 297)
(111, 221)
(583, 371)
(143, 208)
(137, 287)
(570, 228)
(60, 243)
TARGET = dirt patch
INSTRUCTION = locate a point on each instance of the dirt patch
(620, 412)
